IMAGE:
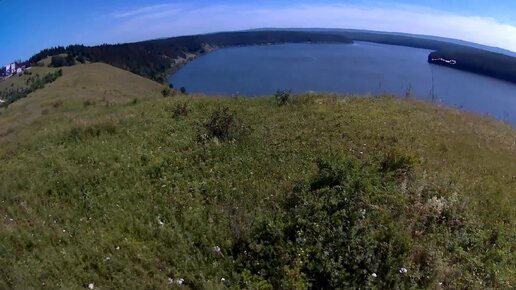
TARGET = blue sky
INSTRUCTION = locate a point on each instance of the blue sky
(27, 26)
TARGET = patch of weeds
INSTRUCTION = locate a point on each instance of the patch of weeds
(134, 102)
(166, 92)
(398, 161)
(57, 104)
(180, 110)
(88, 103)
(83, 132)
(282, 97)
(223, 124)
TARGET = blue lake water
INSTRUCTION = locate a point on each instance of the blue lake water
(359, 68)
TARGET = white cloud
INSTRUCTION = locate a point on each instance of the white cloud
(170, 20)
(145, 12)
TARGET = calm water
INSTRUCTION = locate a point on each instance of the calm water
(360, 68)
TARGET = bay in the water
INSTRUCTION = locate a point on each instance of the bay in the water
(360, 68)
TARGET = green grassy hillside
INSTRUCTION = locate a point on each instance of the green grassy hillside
(117, 186)
(16, 82)
(79, 87)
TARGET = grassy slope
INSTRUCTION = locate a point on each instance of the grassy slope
(81, 83)
(16, 82)
(85, 189)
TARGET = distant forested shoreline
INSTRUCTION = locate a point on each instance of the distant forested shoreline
(154, 58)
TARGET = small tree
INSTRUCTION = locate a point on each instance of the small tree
(183, 90)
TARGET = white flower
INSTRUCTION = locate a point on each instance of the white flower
(91, 286)
(403, 270)
(160, 222)
(374, 275)
(216, 250)
(222, 279)
(363, 212)
(179, 281)
(118, 247)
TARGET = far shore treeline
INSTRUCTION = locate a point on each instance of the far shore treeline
(155, 58)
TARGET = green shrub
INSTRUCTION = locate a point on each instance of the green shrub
(166, 92)
(180, 110)
(223, 124)
(398, 161)
(282, 97)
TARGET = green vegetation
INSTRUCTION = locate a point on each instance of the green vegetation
(62, 60)
(323, 192)
(33, 83)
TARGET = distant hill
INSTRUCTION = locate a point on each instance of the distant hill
(476, 58)
(420, 36)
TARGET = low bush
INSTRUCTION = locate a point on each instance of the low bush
(398, 161)
(282, 97)
(223, 124)
(180, 110)
(166, 92)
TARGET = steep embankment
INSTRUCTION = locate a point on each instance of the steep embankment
(324, 191)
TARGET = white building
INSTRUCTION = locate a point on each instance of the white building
(10, 68)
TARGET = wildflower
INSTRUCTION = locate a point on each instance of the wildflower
(178, 281)
(91, 286)
(403, 270)
(222, 279)
(160, 222)
(363, 212)
(216, 250)
(374, 275)
(117, 247)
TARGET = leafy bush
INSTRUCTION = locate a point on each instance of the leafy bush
(282, 97)
(398, 161)
(223, 124)
(165, 92)
(179, 110)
